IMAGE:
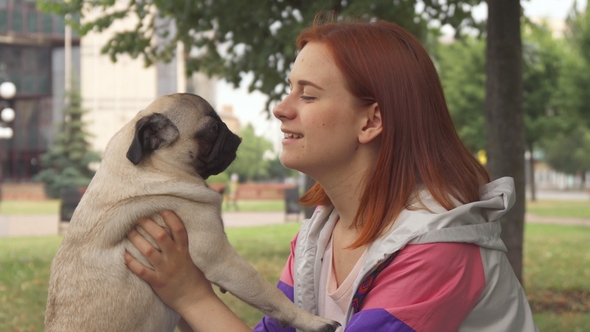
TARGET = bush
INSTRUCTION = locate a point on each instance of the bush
(66, 163)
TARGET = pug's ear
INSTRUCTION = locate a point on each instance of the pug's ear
(151, 133)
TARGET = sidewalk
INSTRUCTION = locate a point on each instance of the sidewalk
(40, 225)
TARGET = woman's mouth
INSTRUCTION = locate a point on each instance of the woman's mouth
(291, 135)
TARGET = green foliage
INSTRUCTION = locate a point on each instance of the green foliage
(251, 164)
(66, 163)
(579, 80)
(278, 172)
(219, 178)
(461, 67)
(229, 38)
(569, 152)
(542, 60)
(567, 144)
(462, 71)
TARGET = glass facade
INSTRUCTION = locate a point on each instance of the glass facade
(28, 40)
(22, 17)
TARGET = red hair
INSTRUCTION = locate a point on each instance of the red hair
(420, 147)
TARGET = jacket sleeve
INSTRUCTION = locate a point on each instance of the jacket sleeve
(285, 285)
(427, 287)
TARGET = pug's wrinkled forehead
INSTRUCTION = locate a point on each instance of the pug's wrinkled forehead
(185, 109)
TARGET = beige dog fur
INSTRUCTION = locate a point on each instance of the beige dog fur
(90, 287)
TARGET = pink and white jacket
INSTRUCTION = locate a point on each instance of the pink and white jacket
(435, 270)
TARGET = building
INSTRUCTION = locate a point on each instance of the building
(114, 92)
(32, 57)
(32, 54)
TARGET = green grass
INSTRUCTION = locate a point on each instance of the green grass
(566, 209)
(543, 208)
(556, 274)
(52, 206)
(267, 249)
(24, 275)
(548, 322)
(557, 257)
(30, 207)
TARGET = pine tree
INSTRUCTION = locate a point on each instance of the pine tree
(66, 163)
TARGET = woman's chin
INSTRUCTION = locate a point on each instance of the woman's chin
(289, 163)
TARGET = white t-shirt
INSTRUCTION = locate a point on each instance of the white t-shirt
(333, 301)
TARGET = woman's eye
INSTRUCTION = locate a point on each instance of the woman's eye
(307, 98)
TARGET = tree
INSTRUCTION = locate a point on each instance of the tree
(66, 163)
(504, 116)
(277, 172)
(569, 152)
(566, 149)
(574, 94)
(542, 60)
(251, 164)
(464, 85)
(229, 38)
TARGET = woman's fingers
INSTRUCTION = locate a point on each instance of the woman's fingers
(177, 229)
(152, 254)
(174, 277)
(156, 232)
(139, 269)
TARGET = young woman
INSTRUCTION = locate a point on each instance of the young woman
(406, 236)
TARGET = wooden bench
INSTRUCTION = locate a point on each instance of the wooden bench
(219, 187)
(22, 191)
(261, 191)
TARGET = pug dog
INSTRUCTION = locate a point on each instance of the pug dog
(158, 161)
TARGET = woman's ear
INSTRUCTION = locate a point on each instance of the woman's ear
(372, 124)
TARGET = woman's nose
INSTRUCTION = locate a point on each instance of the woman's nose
(284, 110)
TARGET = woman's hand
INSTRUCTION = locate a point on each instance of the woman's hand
(174, 278)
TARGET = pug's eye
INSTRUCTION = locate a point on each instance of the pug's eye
(214, 128)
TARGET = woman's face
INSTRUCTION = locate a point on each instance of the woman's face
(320, 117)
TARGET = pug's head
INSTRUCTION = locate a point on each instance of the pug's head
(183, 129)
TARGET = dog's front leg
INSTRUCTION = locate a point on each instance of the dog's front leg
(224, 267)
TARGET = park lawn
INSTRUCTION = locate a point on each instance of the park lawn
(543, 208)
(11, 207)
(50, 206)
(561, 208)
(557, 276)
(557, 270)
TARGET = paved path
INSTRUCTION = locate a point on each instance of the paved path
(40, 225)
(531, 218)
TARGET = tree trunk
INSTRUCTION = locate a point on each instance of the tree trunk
(504, 116)
(532, 173)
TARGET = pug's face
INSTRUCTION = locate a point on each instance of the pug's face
(183, 129)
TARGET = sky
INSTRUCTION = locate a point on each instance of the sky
(248, 107)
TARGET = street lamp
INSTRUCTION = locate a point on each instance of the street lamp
(7, 114)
